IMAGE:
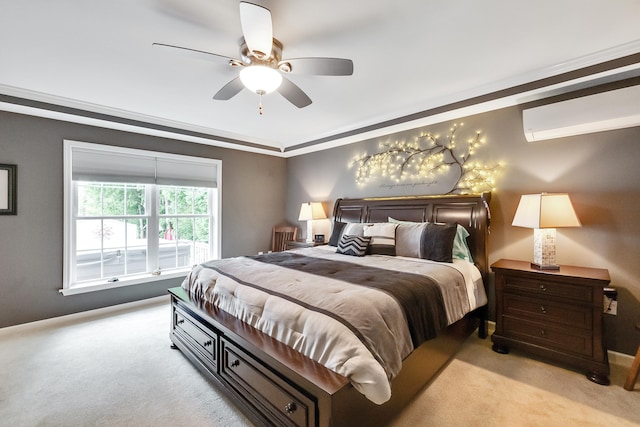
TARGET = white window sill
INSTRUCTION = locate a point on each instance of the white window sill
(129, 281)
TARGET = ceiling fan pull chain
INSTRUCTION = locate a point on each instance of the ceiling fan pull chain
(260, 103)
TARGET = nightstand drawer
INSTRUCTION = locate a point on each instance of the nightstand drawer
(549, 336)
(547, 288)
(547, 311)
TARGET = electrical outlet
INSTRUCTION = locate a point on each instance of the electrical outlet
(613, 308)
(610, 306)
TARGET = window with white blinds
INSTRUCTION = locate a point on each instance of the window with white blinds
(132, 216)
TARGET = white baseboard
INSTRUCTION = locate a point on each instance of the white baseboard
(620, 359)
(85, 315)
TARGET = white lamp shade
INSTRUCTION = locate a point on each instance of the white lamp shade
(545, 210)
(311, 210)
(260, 79)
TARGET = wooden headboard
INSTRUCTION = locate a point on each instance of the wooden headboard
(470, 211)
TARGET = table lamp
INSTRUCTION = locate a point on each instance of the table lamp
(544, 213)
(308, 212)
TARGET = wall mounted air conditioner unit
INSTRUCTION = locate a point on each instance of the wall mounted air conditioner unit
(615, 109)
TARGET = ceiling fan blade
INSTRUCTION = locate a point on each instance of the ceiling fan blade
(293, 93)
(321, 66)
(229, 90)
(257, 28)
(199, 54)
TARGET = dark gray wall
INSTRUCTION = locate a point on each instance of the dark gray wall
(31, 243)
(600, 171)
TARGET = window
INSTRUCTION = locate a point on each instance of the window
(133, 216)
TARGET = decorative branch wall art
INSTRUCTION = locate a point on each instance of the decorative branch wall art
(428, 157)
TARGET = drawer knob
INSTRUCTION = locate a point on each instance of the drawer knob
(235, 363)
(542, 333)
(543, 309)
(180, 321)
(208, 343)
(290, 408)
(543, 288)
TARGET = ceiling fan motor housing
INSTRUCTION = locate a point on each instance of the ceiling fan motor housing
(250, 57)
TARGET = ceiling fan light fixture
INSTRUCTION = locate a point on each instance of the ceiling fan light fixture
(260, 79)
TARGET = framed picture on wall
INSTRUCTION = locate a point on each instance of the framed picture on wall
(8, 189)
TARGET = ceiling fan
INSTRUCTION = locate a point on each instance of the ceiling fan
(261, 64)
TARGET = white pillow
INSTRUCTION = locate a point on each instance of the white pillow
(383, 238)
(354, 229)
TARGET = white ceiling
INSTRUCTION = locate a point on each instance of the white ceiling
(409, 57)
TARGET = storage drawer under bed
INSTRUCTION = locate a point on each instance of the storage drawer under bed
(268, 391)
(199, 338)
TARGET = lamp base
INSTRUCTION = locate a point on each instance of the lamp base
(309, 231)
(545, 266)
(544, 249)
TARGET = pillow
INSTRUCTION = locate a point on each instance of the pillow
(383, 238)
(353, 245)
(354, 229)
(336, 233)
(397, 221)
(342, 228)
(460, 247)
(408, 238)
(437, 242)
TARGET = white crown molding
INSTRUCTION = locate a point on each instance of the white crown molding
(516, 99)
(216, 137)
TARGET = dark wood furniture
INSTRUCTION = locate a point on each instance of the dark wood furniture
(275, 385)
(556, 314)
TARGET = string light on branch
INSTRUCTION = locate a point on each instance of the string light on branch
(427, 156)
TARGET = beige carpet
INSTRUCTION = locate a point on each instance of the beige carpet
(482, 388)
(114, 367)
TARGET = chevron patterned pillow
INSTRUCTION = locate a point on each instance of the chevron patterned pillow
(353, 245)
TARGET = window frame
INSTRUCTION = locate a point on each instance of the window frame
(70, 219)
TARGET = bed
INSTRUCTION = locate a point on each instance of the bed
(275, 334)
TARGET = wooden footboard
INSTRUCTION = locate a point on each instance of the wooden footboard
(272, 384)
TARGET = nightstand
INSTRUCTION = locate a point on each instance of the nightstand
(554, 314)
(293, 244)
